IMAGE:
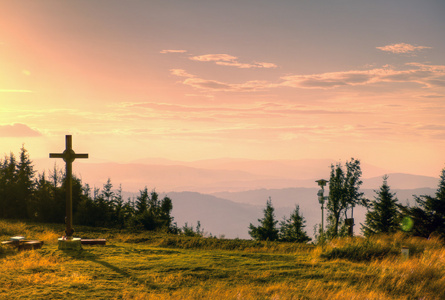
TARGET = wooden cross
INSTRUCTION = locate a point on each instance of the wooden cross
(68, 156)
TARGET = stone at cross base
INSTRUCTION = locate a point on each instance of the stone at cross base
(68, 242)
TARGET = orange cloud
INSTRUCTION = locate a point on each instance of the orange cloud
(173, 51)
(232, 61)
(328, 80)
(402, 48)
(180, 73)
(17, 130)
(427, 75)
(214, 57)
(214, 85)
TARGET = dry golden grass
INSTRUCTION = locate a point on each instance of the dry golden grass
(8, 228)
(34, 232)
(156, 266)
(29, 260)
(422, 276)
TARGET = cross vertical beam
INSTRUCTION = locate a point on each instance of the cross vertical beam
(68, 156)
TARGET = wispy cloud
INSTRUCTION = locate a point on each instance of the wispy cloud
(232, 61)
(181, 73)
(215, 85)
(328, 80)
(18, 130)
(214, 57)
(402, 48)
(172, 51)
(242, 111)
(427, 75)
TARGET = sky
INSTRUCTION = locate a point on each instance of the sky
(193, 79)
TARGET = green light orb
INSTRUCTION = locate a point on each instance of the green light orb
(407, 223)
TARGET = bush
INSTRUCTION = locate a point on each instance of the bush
(357, 250)
(186, 242)
(375, 247)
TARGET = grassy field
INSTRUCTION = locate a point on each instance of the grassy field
(155, 266)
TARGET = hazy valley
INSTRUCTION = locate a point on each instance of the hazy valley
(226, 195)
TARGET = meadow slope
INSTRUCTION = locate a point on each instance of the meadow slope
(145, 265)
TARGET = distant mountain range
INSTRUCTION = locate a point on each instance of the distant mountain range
(226, 195)
(230, 175)
(230, 213)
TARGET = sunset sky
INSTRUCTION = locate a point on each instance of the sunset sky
(188, 80)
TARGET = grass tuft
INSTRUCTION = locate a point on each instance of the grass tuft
(375, 247)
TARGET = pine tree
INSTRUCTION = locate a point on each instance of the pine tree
(267, 229)
(46, 208)
(3, 187)
(429, 216)
(292, 229)
(165, 219)
(107, 193)
(25, 184)
(152, 213)
(8, 187)
(120, 216)
(142, 201)
(384, 215)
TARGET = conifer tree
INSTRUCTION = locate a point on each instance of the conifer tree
(16, 186)
(165, 219)
(152, 213)
(429, 216)
(267, 229)
(142, 201)
(384, 215)
(45, 207)
(25, 184)
(292, 229)
(120, 215)
(8, 187)
(107, 192)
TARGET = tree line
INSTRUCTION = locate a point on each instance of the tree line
(24, 194)
(384, 213)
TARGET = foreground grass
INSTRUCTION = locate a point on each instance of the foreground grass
(148, 266)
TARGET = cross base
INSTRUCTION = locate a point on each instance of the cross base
(70, 244)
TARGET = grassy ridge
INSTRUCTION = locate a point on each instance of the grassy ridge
(155, 266)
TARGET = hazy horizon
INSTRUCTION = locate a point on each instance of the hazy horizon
(226, 175)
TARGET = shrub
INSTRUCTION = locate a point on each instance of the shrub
(375, 247)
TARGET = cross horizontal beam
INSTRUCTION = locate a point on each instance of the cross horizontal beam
(63, 155)
(68, 155)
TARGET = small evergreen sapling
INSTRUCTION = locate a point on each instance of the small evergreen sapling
(292, 229)
(267, 229)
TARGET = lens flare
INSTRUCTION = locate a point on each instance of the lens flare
(407, 223)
